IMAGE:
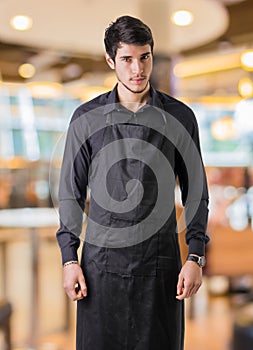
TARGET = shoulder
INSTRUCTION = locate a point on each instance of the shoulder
(180, 114)
(93, 104)
(178, 109)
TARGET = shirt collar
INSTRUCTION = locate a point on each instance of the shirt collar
(112, 101)
(154, 99)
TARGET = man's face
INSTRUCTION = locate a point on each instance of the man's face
(133, 66)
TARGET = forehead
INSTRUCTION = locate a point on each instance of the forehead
(132, 50)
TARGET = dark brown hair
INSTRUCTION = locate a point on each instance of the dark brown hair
(128, 30)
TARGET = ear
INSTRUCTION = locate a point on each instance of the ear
(110, 61)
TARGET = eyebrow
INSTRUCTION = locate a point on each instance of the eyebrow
(143, 54)
(146, 53)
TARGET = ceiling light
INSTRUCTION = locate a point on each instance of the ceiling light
(243, 117)
(45, 89)
(21, 22)
(206, 64)
(182, 18)
(245, 87)
(26, 70)
(223, 129)
(247, 60)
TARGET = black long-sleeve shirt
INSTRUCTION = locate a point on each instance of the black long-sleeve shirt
(130, 162)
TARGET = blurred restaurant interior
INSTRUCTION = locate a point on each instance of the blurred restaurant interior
(52, 60)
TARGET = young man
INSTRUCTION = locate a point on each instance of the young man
(128, 146)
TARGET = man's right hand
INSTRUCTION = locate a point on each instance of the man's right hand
(74, 282)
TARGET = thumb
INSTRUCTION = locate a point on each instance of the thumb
(180, 284)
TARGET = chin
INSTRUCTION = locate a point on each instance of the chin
(139, 88)
(136, 89)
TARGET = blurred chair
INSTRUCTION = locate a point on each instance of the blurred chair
(243, 328)
(5, 314)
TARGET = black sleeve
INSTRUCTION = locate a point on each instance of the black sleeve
(193, 184)
(73, 188)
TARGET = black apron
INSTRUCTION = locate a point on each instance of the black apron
(131, 302)
(126, 310)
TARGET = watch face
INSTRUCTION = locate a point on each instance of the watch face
(202, 261)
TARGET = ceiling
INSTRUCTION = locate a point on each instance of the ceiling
(67, 41)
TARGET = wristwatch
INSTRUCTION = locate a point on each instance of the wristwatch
(200, 260)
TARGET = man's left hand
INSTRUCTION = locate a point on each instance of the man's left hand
(189, 280)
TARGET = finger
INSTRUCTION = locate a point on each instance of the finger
(190, 293)
(72, 294)
(73, 291)
(82, 286)
(78, 292)
(180, 285)
(181, 296)
(77, 287)
(75, 294)
(195, 289)
(79, 295)
(185, 292)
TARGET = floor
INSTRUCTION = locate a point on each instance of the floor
(211, 329)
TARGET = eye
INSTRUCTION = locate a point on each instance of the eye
(144, 57)
(126, 59)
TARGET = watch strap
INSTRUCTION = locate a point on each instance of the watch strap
(200, 260)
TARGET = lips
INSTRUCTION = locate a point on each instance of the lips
(138, 80)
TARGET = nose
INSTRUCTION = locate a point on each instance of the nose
(137, 66)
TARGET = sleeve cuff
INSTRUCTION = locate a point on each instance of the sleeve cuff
(196, 246)
(69, 254)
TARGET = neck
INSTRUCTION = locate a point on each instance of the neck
(130, 100)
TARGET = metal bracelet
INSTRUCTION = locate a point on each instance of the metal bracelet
(70, 262)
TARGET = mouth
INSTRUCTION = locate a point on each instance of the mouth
(138, 80)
